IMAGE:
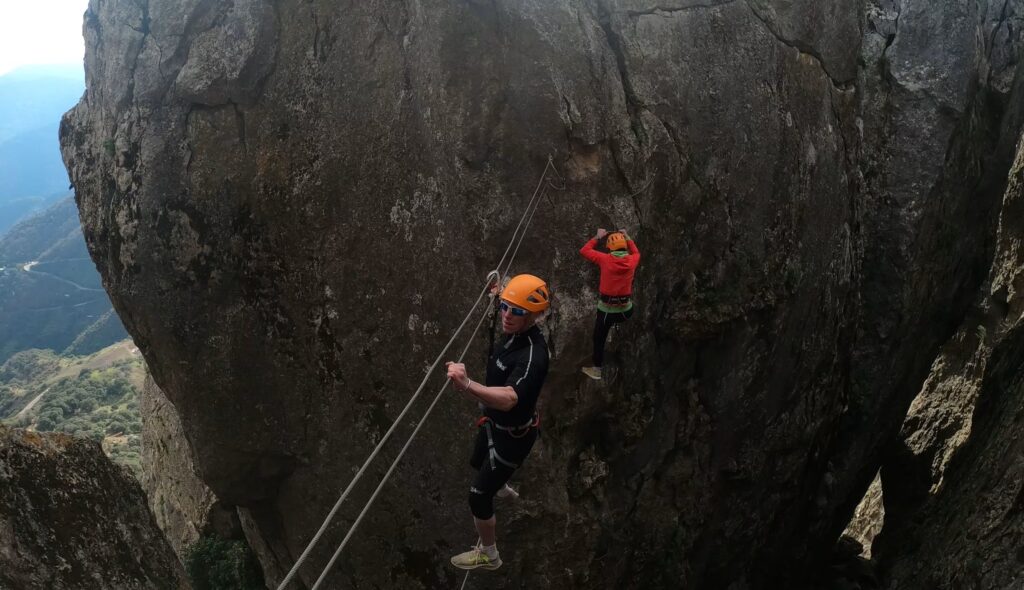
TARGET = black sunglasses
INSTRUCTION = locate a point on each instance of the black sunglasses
(513, 310)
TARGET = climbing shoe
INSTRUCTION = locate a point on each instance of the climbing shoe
(592, 372)
(476, 558)
(507, 492)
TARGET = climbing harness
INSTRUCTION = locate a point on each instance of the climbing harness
(513, 431)
(497, 275)
(616, 299)
(520, 431)
(492, 454)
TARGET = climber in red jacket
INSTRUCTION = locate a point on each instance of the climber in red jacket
(616, 288)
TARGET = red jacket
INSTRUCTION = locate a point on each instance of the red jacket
(616, 270)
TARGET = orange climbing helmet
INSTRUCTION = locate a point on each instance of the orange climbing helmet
(616, 241)
(527, 292)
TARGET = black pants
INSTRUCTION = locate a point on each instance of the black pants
(602, 325)
(491, 477)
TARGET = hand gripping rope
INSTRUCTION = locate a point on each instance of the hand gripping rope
(496, 275)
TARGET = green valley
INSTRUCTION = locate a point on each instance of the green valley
(93, 396)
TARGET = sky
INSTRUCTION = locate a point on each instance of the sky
(40, 32)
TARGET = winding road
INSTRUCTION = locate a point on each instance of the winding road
(27, 267)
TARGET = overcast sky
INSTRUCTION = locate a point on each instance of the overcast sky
(41, 32)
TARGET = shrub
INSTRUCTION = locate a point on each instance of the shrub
(28, 365)
(218, 564)
(116, 390)
(44, 424)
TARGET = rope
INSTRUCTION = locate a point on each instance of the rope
(394, 463)
(524, 224)
(549, 166)
(380, 445)
(491, 276)
(521, 237)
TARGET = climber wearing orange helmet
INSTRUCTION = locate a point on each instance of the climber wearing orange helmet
(616, 287)
(508, 397)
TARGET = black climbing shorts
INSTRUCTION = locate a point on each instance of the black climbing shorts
(491, 476)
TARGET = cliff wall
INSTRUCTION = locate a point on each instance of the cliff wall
(292, 204)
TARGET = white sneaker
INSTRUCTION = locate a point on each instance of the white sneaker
(592, 372)
(507, 492)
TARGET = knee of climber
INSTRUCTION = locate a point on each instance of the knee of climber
(481, 504)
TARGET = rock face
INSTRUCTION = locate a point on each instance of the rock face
(954, 484)
(71, 519)
(183, 506)
(293, 203)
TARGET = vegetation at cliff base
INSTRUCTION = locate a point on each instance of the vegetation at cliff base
(219, 564)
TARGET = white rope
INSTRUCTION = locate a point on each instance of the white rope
(394, 463)
(531, 209)
(380, 445)
(543, 176)
(504, 274)
(490, 279)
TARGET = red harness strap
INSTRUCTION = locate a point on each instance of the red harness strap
(514, 432)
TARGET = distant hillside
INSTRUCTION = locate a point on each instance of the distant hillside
(54, 233)
(51, 296)
(14, 210)
(32, 101)
(92, 396)
(30, 164)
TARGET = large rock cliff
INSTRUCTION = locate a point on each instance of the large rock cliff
(71, 519)
(292, 204)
